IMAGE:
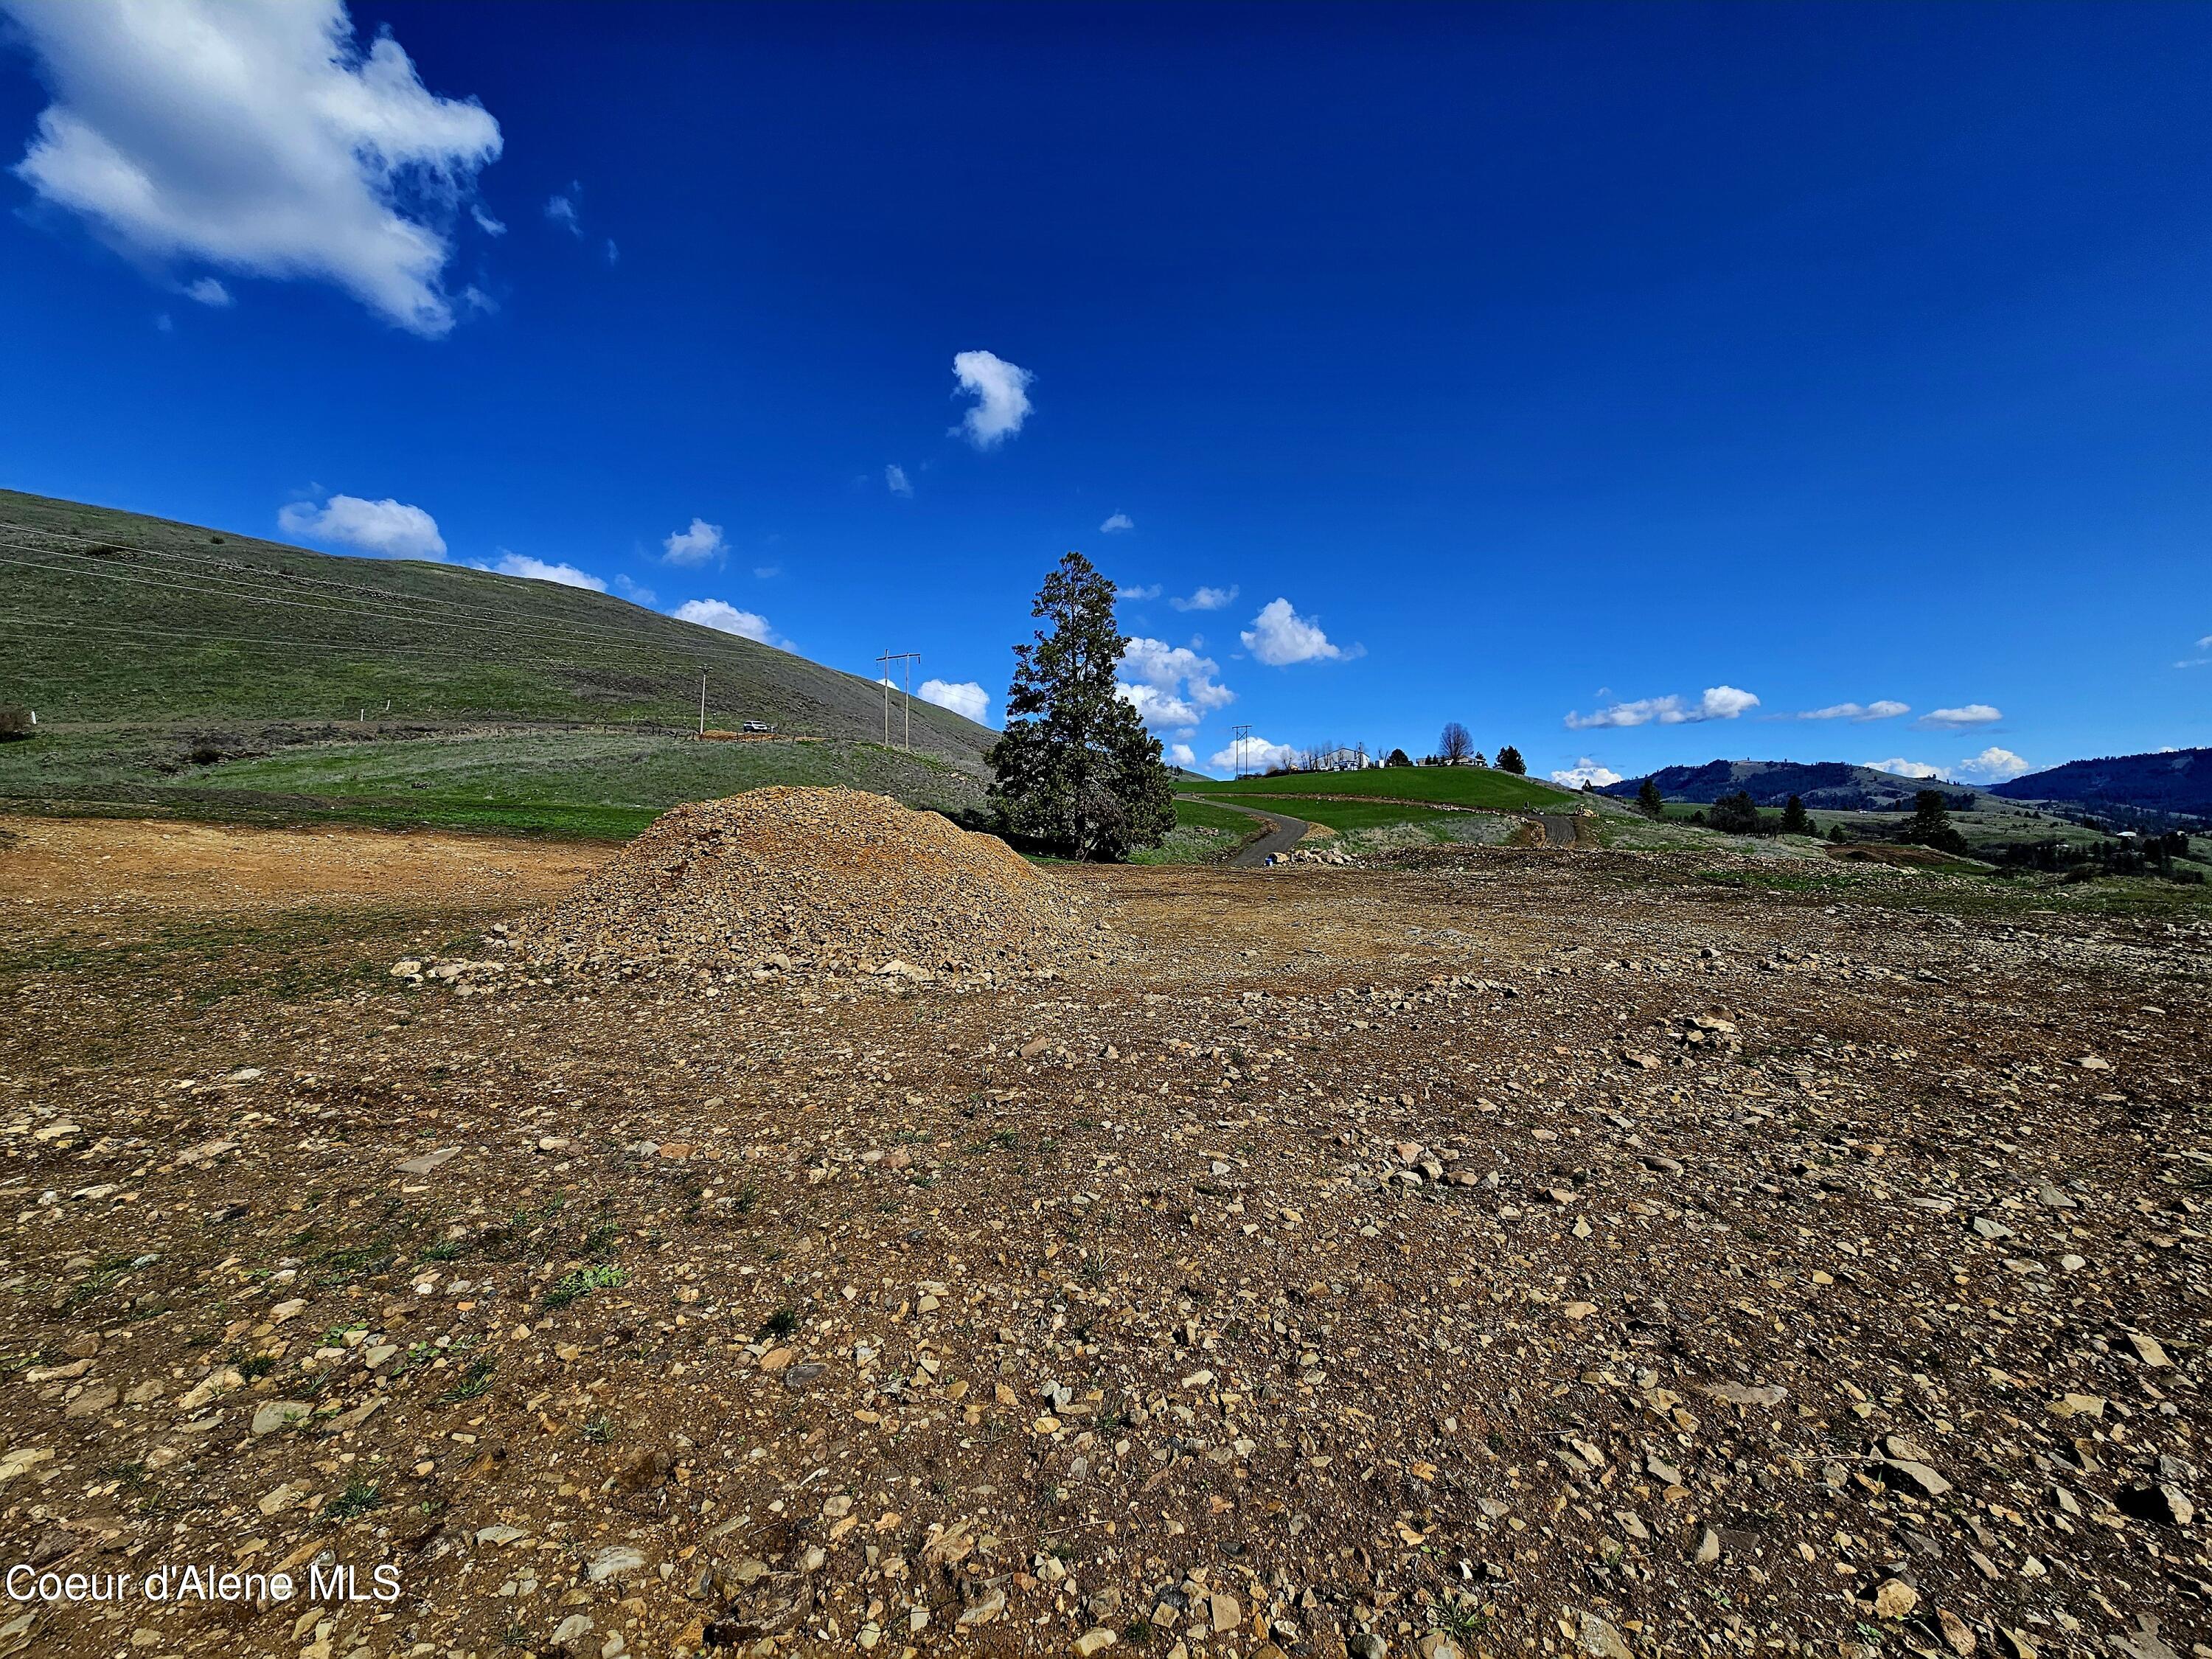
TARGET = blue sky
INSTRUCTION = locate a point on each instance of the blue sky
(1629, 384)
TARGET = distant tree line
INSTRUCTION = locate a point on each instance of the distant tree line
(2151, 855)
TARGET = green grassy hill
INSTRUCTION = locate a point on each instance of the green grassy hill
(194, 670)
(1450, 786)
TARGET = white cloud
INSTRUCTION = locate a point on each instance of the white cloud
(1883, 709)
(1279, 636)
(1157, 708)
(1123, 591)
(1181, 754)
(1171, 686)
(1258, 755)
(895, 480)
(1994, 765)
(721, 615)
(1207, 598)
(258, 137)
(1116, 523)
(2205, 644)
(1719, 702)
(1905, 768)
(208, 292)
(536, 571)
(701, 543)
(630, 589)
(1585, 770)
(562, 210)
(387, 529)
(962, 697)
(1001, 393)
(1953, 719)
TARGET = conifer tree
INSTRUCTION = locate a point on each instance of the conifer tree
(1075, 770)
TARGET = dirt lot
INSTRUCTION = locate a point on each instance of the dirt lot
(1573, 1253)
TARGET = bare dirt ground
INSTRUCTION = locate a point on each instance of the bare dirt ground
(1525, 1253)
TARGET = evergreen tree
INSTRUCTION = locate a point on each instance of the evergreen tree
(1931, 824)
(1736, 814)
(1794, 821)
(1075, 770)
(1836, 834)
(1649, 801)
(1397, 758)
(1509, 760)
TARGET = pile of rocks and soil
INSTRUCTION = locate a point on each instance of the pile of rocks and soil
(782, 881)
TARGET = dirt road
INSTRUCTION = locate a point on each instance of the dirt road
(1284, 833)
(1559, 828)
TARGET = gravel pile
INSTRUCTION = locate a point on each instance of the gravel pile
(810, 881)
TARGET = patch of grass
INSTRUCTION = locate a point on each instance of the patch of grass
(574, 1287)
(780, 1323)
(600, 1430)
(359, 1498)
(474, 1381)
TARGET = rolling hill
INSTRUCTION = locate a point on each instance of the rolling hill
(1829, 786)
(2176, 781)
(200, 671)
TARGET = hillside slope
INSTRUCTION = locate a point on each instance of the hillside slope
(189, 672)
(114, 618)
(2178, 781)
(1830, 786)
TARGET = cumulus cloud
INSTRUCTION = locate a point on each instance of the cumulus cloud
(208, 292)
(721, 615)
(387, 529)
(895, 480)
(1905, 768)
(1124, 590)
(1719, 702)
(1258, 753)
(1181, 754)
(1159, 709)
(1585, 770)
(1116, 523)
(1171, 686)
(962, 697)
(258, 137)
(536, 571)
(1207, 598)
(1279, 636)
(1994, 765)
(701, 543)
(630, 589)
(1955, 720)
(563, 210)
(1883, 709)
(1000, 389)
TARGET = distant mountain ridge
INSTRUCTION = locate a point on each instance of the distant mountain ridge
(1830, 786)
(2178, 781)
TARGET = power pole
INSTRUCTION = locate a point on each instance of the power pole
(1239, 735)
(702, 702)
(908, 657)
